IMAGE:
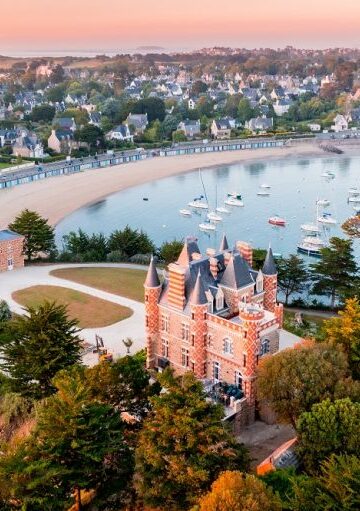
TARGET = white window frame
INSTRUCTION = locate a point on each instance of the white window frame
(165, 347)
(164, 323)
(185, 332)
(185, 357)
(216, 371)
(227, 346)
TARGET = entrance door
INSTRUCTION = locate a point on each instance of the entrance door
(10, 264)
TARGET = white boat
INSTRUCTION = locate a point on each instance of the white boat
(263, 193)
(185, 212)
(207, 226)
(221, 209)
(231, 201)
(214, 217)
(310, 228)
(311, 246)
(354, 191)
(264, 185)
(328, 174)
(354, 199)
(198, 204)
(356, 209)
(323, 202)
(327, 219)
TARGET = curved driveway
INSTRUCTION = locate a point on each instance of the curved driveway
(40, 275)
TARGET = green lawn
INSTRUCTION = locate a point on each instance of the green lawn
(91, 312)
(5, 165)
(120, 281)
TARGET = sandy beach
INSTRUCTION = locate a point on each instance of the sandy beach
(54, 198)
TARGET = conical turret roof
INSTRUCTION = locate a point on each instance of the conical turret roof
(224, 244)
(198, 296)
(269, 267)
(152, 277)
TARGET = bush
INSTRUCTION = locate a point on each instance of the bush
(116, 256)
(140, 259)
(5, 313)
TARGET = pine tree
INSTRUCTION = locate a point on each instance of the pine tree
(292, 275)
(34, 347)
(337, 272)
(183, 446)
(39, 235)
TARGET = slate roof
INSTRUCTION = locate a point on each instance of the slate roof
(190, 247)
(223, 124)
(269, 267)
(237, 273)
(198, 296)
(224, 244)
(152, 277)
(7, 235)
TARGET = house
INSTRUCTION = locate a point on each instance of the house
(221, 128)
(65, 123)
(277, 93)
(355, 115)
(314, 127)
(190, 128)
(62, 141)
(8, 137)
(95, 118)
(11, 250)
(121, 133)
(216, 316)
(340, 123)
(259, 124)
(191, 104)
(281, 106)
(28, 145)
(138, 121)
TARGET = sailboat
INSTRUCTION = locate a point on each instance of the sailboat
(212, 215)
(198, 202)
(312, 243)
(234, 199)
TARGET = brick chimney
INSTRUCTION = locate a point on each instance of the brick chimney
(246, 251)
(176, 290)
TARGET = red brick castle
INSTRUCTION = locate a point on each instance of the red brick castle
(216, 316)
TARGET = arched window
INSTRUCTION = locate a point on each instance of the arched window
(227, 346)
(265, 346)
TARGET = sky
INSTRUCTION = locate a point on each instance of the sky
(100, 25)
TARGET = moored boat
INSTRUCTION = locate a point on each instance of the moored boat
(185, 212)
(310, 228)
(214, 217)
(234, 200)
(354, 199)
(207, 226)
(277, 220)
(323, 202)
(266, 186)
(311, 246)
(263, 192)
(199, 204)
(221, 209)
(327, 219)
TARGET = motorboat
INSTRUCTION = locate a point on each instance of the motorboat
(327, 219)
(198, 204)
(323, 202)
(356, 209)
(310, 228)
(354, 199)
(214, 217)
(266, 186)
(277, 220)
(354, 191)
(236, 195)
(263, 192)
(185, 212)
(221, 209)
(311, 246)
(234, 200)
(328, 174)
(207, 226)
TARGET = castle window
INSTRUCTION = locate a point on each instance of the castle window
(185, 331)
(211, 306)
(260, 283)
(264, 347)
(165, 348)
(219, 301)
(216, 371)
(227, 346)
(146, 298)
(244, 360)
(147, 321)
(238, 380)
(164, 323)
(184, 357)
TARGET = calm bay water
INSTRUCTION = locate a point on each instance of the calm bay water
(295, 186)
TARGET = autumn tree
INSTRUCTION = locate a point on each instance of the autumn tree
(235, 491)
(294, 379)
(328, 428)
(35, 346)
(335, 274)
(183, 445)
(351, 226)
(39, 235)
(292, 275)
(344, 331)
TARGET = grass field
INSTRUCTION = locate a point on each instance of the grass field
(91, 312)
(5, 165)
(119, 281)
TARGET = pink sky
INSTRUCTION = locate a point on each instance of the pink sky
(115, 24)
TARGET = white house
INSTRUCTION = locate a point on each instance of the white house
(121, 133)
(340, 123)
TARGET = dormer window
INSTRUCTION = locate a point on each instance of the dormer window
(260, 283)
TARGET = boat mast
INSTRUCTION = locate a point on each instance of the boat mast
(202, 182)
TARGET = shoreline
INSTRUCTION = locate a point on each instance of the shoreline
(56, 198)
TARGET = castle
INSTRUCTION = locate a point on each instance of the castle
(216, 316)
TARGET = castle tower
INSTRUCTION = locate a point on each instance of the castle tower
(199, 307)
(152, 293)
(251, 316)
(270, 281)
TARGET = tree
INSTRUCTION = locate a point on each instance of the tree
(294, 379)
(292, 275)
(5, 312)
(352, 226)
(259, 255)
(58, 74)
(39, 235)
(198, 87)
(179, 136)
(154, 132)
(183, 445)
(170, 250)
(80, 246)
(336, 273)
(153, 107)
(328, 428)
(245, 112)
(170, 124)
(131, 242)
(80, 115)
(344, 331)
(57, 93)
(35, 346)
(44, 113)
(91, 135)
(235, 491)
